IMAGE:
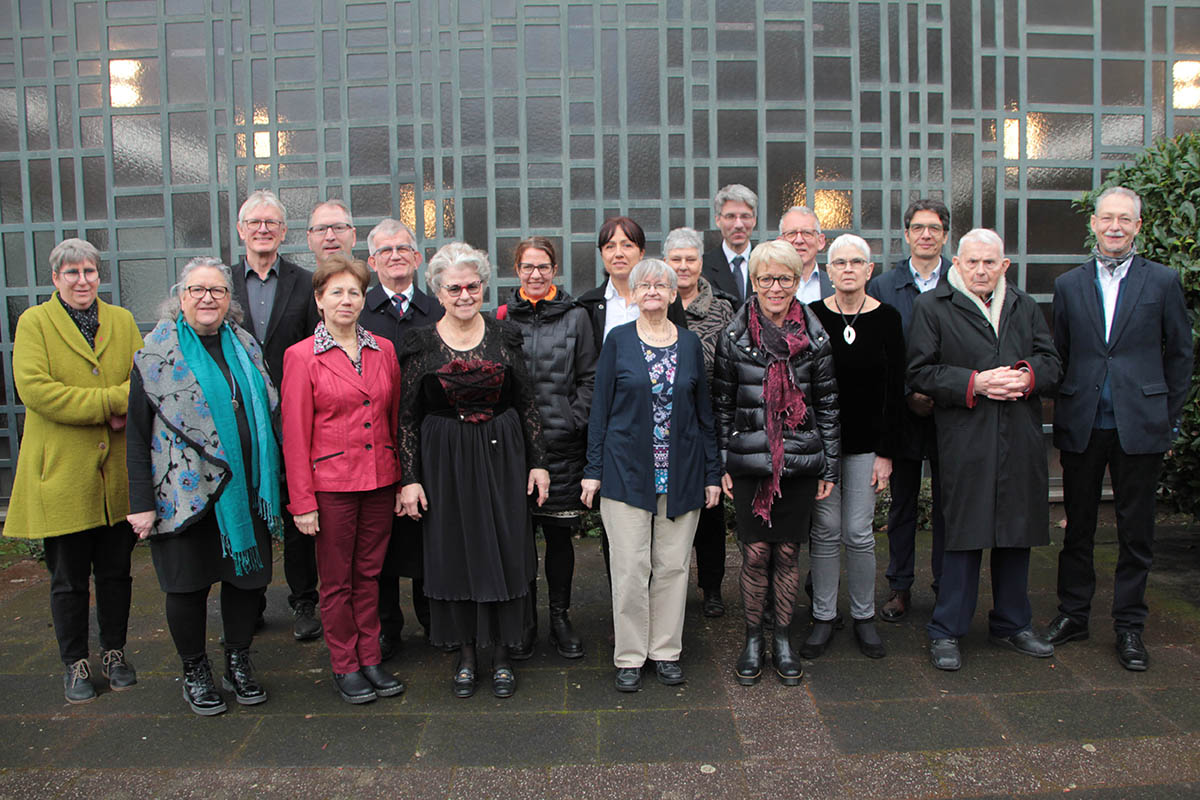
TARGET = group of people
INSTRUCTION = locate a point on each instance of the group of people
(385, 433)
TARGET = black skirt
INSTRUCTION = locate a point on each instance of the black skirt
(191, 560)
(791, 513)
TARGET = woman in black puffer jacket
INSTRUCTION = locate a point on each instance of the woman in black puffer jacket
(561, 350)
(776, 408)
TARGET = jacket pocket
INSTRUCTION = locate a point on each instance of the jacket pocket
(326, 458)
(1151, 389)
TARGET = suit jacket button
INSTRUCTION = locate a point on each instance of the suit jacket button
(368, 447)
(366, 402)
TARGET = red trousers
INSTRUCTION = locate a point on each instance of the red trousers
(351, 543)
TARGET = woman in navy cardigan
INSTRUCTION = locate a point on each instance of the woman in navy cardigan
(652, 458)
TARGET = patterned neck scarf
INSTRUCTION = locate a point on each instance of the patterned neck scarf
(1112, 262)
(87, 320)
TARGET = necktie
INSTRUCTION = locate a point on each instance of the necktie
(398, 300)
(739, 276)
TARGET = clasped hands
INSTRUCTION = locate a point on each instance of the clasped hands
(1002, 383)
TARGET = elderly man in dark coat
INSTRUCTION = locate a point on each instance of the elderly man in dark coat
(982, 350)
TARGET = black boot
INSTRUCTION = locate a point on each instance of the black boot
(198, 687)
(749, 663)
(239, 677)
(786, 664)
(562, 633)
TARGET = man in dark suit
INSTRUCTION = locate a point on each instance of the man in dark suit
(727, 268)
(926, 229)
(393, 307)
(280, 310)
(330, 229)
(800, 228)
(1122, 327)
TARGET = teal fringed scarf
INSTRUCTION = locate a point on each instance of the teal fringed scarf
(237, 527)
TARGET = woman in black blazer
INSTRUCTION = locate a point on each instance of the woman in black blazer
(652, 458)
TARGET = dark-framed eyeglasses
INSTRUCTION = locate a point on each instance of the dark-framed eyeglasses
(338, 228)
(918, 229)
(198, 292)
(529, 269)
(255, 224)
(784, 281)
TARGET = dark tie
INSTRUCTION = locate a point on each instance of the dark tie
(398, 300)
(739, 278)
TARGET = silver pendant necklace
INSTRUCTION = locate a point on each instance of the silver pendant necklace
(848, 332)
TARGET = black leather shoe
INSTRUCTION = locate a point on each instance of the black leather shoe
(388, 646)
(464, 682)
(307, 626)
(944, 654)
(1131, 651)
(385, 683)
(669, 673)
(77, 686)
(749, 663)
(504, 682)
(896, 607)
(713, 606)
(629, 679)
(787, 666)
(199, 690)
(120, 673)
(239, 678)
(868, 639)
(354, 687)
(562, 633)
(1063, 629)
(818, 639)
(1026, 642)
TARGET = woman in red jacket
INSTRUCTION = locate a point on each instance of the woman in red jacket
(340, 398)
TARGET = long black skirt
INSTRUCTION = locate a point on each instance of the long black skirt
(791, 513)
(478, 535)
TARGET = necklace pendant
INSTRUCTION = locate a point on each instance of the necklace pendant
(849, 335)
(236, 404)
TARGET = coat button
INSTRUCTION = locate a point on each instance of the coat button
(95, 370)
(102, 446)
(366, 402)
(366, 424)
(368, 447)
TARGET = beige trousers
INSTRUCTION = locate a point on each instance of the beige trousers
(650, 555)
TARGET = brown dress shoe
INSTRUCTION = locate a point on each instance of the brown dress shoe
(896, 606)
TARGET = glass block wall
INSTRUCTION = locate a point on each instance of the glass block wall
(141, 124)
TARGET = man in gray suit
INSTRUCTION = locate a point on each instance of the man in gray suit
(1122, 327)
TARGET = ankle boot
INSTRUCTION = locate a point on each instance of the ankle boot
(818, 639)
(749, 663)
(786, 664)
(239, 677)
(562, 633)
(868, 638)
(198, 687)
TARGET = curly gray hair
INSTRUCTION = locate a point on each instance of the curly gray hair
(458, 254)
(169, 308)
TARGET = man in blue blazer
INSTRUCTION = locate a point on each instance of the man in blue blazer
(1122, 327)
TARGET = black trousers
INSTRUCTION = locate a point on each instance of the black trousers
(710, 548)
(959, 593)
(74, 558)
(299, 563)
(403, 558)
(902, 524)
(1135, 481)
(187, 618)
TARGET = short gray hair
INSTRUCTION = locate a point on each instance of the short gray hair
(335, 203)
(683, 239)
(980, 236)
(169, 309)
(735, 193)
(805, 210)
(73, 251)
(653, 268)
(387, 228)
(850, 240)
(1120, 191)
(458, 254)
(261, 198)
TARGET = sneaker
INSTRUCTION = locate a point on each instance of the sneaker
(76, 684)
(307, 625)
(120, 673)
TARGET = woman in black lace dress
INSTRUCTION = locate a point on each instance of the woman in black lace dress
(471, 449)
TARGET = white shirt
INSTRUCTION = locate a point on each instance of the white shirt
(616, 312)
(408, 295)
(740, 274)
(1110, 285)
(809, 291)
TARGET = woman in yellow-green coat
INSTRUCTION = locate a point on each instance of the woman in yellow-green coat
(71, 361)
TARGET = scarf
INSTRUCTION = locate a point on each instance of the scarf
(237, 528)
(87, 320)
(991, 312)
(783, 401)
(1112, 262)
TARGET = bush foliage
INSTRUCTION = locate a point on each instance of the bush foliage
(1167, 177)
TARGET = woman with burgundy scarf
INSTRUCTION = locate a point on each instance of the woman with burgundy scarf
(776, 408)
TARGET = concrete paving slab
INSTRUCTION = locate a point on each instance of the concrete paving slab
(512, 739)
(900, 725)
(693, 735)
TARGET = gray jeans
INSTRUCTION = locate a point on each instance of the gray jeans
(845, 517)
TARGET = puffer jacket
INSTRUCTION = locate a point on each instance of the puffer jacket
(561, 351)
(813, 448)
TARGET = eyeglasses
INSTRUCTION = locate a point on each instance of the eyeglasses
(455, 289)
(1123, 221)
(338, 227)
(765, 281)
(918, 229)
(390, 250)
(255, 224)
(198, 292)
(746, 218)
(89, 274)
(807, 233)
(529, 269)
(658, 287)
(856, 263)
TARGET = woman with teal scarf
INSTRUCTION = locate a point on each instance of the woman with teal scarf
(204, 473)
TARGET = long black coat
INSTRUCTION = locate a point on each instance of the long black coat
(561, 351)
(994, 478)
